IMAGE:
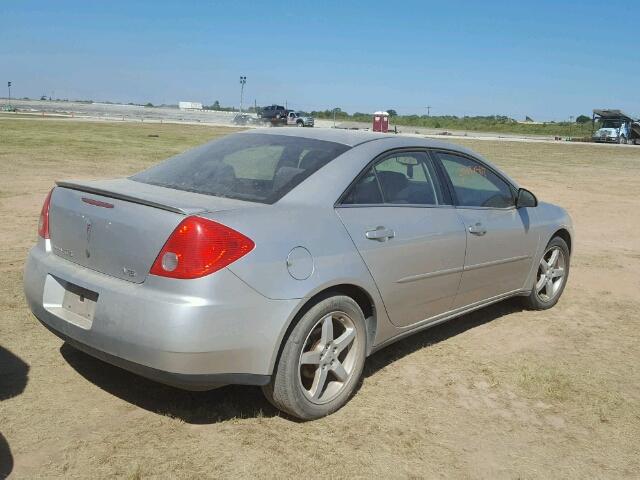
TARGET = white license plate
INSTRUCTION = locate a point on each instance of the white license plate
(70, 302)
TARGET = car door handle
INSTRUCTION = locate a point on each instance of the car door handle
(380, 233)
(477, 229)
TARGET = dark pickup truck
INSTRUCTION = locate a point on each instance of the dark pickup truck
(274, 113)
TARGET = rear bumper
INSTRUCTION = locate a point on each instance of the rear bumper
(180, 380)
(194, 334)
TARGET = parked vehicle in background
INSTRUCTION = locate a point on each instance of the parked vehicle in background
(615, 126)
(300, 119)
(284, 257)
(273, 113)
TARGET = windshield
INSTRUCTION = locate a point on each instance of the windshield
(254, 167)
(610, 124)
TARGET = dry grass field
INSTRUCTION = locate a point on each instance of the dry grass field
(500, 393)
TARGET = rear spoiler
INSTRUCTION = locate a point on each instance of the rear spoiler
(128, 198)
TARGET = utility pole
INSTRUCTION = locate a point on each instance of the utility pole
(570, 124)
(428, 110)
(243, 80)
(9, 87)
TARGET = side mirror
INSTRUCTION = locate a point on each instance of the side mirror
(526, 199)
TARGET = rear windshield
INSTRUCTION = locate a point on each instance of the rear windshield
(254, 167)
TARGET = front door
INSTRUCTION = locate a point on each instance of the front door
(500, 241)
(408, 234)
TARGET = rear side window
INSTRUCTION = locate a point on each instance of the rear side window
(366, 191)
(474, 184)
(404, 178)
(254, 167)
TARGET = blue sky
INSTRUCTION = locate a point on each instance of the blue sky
(545, 59)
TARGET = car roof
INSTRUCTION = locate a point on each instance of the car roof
(368, 145)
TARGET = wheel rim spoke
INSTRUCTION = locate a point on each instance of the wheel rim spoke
(344, 340)
(310, 358)
(318, 383)
(549, 288)
(338, 370)
(558, 272)
(544, 266)
(541, 283)
(553, 260)
(327, 330)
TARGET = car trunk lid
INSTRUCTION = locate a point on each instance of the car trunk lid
(117, 227)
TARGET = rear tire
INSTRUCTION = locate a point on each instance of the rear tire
(551, 276)
(322, 360)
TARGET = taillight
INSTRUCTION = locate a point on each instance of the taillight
(199, 247)
(43, 222)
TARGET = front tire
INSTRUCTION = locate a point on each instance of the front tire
(551, 276)
(322, 360)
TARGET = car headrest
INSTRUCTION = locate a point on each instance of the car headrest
(392, 183)
(284, 175)
(313, 160)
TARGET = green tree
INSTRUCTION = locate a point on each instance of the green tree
(392, 112)
(583, 119)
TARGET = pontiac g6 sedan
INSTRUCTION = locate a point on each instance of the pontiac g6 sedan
(283, 259)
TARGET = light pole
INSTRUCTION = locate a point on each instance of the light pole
(243, 80)
(570, 124)
(9, 87)
(428, 110)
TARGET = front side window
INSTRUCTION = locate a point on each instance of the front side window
(254, 167)
(474, 184)
(407, 178)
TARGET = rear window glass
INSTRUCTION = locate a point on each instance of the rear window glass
(256, 167)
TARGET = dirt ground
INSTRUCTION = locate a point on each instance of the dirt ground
(500, 393)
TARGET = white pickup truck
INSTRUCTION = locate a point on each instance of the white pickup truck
(299, 119)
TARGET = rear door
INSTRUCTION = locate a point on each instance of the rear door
(408, 234)
(500, 242)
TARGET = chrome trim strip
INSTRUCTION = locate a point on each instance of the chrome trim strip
(496, 262)
(422, 276)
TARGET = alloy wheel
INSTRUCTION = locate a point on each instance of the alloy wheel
(328, 357)
(551, 274)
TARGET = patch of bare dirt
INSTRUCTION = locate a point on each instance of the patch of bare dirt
(499, 393)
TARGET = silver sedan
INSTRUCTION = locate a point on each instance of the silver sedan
(284, 258)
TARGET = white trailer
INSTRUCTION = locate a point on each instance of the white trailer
(190, 105)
